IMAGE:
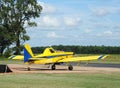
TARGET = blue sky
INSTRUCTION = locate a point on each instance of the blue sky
(77, 22)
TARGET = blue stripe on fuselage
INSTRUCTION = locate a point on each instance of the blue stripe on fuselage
(56, 56)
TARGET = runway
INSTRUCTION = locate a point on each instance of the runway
(106, 65)
(96, 68)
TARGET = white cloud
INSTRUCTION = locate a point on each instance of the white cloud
(88, 31)
(71, 21)
(108, 32)
(58, 23)
(52, 35)
(47, 8)
(49, 21)
(102, 12)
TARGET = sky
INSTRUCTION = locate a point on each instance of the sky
(77, 22)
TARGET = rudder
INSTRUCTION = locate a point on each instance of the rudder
(27, 52)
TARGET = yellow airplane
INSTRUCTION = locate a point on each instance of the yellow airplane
(53, 57)
(50, 56)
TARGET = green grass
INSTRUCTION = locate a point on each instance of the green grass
(59, 81)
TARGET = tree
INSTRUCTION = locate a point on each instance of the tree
(17, 13)
(6, 38)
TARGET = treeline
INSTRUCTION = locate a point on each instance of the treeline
(83, 49)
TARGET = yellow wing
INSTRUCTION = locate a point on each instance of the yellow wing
(86, 58)
(16, 57)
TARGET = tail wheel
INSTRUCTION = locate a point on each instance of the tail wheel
(28, 68)
(53, 67)
(70, 67)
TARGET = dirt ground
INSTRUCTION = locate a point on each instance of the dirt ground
(18, 69)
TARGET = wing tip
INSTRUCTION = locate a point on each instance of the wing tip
(103, 57)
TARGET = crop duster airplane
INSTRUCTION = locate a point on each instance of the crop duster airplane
(53, 57)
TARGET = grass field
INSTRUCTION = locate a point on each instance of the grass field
(59, 81)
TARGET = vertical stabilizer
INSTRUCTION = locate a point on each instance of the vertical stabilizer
(27, 53)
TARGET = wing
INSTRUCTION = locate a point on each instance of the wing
(16, 57)
(86, 58)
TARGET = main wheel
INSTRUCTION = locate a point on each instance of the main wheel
(70, 67)
(53, 67)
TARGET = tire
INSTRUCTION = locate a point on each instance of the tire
(70, 67)
(28, 68)
(53, 67)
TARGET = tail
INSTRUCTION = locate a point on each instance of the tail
(27, 53)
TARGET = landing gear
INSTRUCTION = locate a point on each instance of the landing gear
(70, 67)
(53, 67)
(28, 68)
